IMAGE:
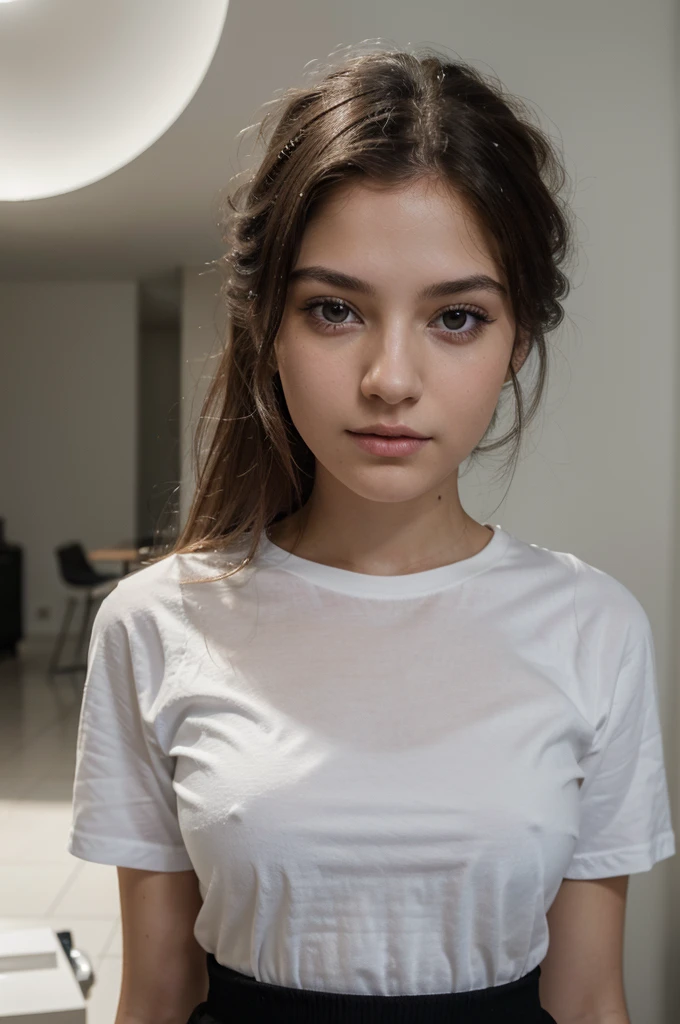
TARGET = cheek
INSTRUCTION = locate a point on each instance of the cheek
(314, 391)
(468, 395)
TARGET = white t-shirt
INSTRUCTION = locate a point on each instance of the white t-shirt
(380, 781)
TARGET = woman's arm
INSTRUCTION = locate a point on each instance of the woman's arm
(582, 973)
(164, 969)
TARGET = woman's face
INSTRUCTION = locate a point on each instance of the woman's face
(378, 349)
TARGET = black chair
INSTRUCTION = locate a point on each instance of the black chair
(79, 576)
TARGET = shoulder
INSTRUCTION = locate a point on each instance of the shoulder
(145, 610)
(154, 596)
(605, 609)
(609, 617)
(149, 591)
(140, 628)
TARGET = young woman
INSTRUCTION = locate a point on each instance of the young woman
(356, 756)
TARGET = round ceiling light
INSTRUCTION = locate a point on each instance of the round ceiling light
(85, 88)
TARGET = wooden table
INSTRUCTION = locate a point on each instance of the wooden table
(126, 553)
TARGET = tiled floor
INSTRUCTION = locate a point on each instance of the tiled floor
(41, 884)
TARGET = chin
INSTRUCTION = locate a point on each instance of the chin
(386, 491)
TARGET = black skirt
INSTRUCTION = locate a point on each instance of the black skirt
(235, 998)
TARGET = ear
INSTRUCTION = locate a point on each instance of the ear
(520, 352)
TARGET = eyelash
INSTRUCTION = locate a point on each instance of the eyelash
(329, 328)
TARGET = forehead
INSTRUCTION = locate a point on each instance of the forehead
(422, 222)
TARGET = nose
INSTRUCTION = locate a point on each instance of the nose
(392, 366)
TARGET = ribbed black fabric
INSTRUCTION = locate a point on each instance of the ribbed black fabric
(236, 998)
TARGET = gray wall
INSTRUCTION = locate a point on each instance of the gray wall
(159, 414)
(68, 424)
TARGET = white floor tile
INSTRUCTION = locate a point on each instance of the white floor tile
(93, 892)
(29, 890)
(114, 945)
(35, 831)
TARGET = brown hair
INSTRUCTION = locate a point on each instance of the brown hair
(388, 116)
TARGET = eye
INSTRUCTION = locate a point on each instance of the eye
(454, 314)
(336, 313)
(337, 309)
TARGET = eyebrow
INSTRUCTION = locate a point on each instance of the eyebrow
(474, 282)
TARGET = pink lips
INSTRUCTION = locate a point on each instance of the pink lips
(380, 445)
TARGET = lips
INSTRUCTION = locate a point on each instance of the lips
(381, 444)
(390, 430)
(371, 433)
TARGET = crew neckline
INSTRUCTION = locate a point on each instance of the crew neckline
(361, 584)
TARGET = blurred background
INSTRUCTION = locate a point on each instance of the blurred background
(129, 114)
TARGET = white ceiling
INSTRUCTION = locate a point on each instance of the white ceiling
(112, 77)
(160, 211)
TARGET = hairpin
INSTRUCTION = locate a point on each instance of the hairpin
(290, 145)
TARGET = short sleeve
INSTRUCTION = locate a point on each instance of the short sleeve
(124, 805)
(625, 810)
